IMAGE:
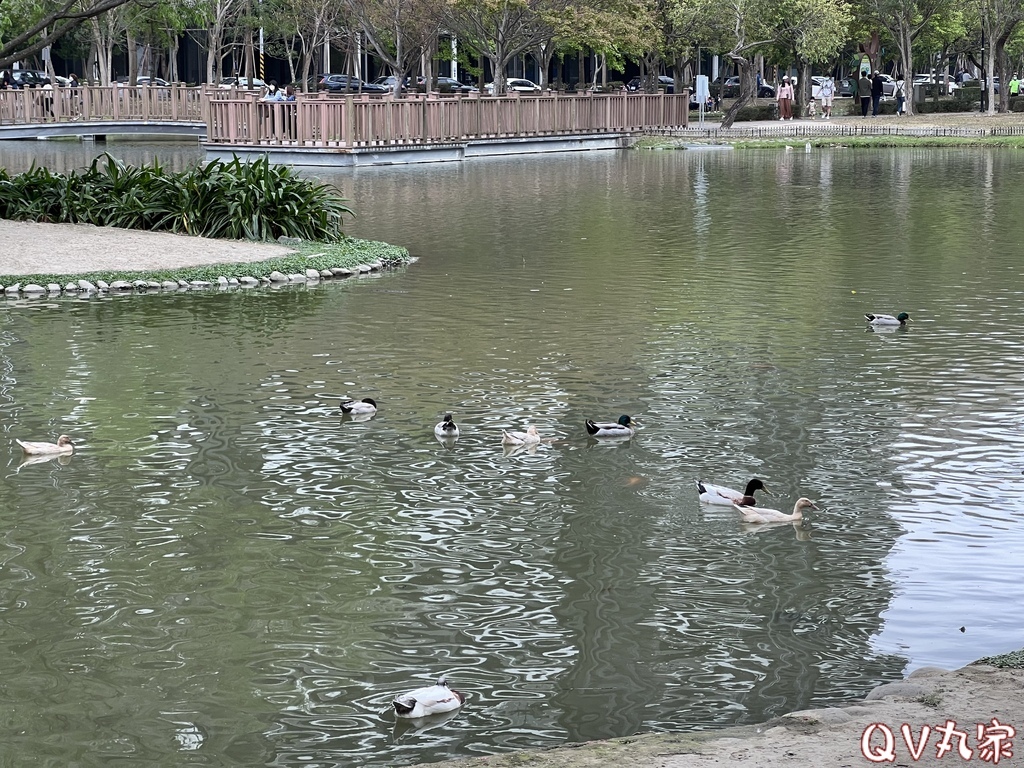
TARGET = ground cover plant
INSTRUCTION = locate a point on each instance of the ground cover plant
(230, 200)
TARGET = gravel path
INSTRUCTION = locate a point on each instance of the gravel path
(30, 248)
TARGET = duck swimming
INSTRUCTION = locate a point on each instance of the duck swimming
(63, 445)
(530, 437)
(875, 319)
(761, 515)
(432, 700)
(719, 494)
(446, 429)
(366, 406)
(624, 427)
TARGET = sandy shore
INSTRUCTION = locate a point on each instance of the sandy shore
(79, 248)
(940, 700)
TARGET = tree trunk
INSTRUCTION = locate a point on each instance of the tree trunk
(747, 86)
(544, 55)
(803, 96)
(990, 68)
(133, 58)
(906, 58)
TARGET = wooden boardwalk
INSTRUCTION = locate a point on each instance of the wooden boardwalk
(230, 118)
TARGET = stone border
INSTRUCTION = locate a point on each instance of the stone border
(125, 287)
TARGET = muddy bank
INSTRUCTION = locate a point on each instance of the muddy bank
(940, 707)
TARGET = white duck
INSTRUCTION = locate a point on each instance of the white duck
(446, 429)
(719, 494)
(365, 407)
(761, 515)
(624, 427)
(63, 445)
(876, 319)
(530, 437)
(432, 700)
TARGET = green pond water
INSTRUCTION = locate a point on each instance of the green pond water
(229, 572)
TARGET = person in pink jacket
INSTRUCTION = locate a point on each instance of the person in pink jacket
(785, 98)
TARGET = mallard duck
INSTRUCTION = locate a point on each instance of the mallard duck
(719, 494)
(624, 427)
(761, 515)
(63, 445)
(432, 700)
(874, 319)
(530, 437)
(363, 407)
(446, 429)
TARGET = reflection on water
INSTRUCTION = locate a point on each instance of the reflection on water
(228, 567)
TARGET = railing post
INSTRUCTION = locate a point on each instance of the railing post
(348, 116)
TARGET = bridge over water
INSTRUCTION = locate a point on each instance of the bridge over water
(325, 129)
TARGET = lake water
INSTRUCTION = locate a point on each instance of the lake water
(228, 571)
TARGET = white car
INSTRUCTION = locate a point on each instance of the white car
(927, 79)
(241, 82)
(516, 84)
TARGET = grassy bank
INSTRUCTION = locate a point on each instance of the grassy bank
(852, 142)
(309, 255)
(875, 142)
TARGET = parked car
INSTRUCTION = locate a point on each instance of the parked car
(928, 79)
(333, 83)
(664, 82)
(451, 85)
(731, 89)
(388, 81)
(240, 82)
(26, 78)
(516, 84)
(145, 80)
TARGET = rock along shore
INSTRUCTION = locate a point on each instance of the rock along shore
(83, 249)
(977, 701)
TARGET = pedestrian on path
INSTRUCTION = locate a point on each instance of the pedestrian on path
(864, 93)
(877, 89)
(785, 99)
(901, 96)
(827, 92)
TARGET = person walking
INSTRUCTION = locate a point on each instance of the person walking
(877, 88)
(1014, 86)
(864, 93)
(785, 99)
(827, 93)
(901, 96)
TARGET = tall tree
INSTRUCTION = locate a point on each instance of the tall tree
(746, 27)
(399, 31)
(26, 28)
(500, 30)
(905, 20)
(999, 19)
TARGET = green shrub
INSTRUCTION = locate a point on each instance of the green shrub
(968, 93)
(757, 112)
(235, 200)
(943, 106)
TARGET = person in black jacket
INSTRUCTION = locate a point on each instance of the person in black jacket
(876, 92)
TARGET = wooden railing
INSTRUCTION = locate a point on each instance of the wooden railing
(363, 121)
(238, 117)
(175, 103)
